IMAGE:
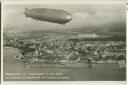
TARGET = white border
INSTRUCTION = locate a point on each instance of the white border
(53, 82)
(36, 2)
(67, 83)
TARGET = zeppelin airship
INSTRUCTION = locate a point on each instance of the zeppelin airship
(49, 15)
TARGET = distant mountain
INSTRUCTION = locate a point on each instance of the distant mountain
(108, 29)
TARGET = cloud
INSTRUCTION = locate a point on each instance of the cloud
(79, 14)
(100, 19)
(83, 16)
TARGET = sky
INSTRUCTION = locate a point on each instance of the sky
(83, 16)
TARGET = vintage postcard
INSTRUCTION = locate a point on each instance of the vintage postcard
(64, 42)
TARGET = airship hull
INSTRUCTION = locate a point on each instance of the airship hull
(49, 15)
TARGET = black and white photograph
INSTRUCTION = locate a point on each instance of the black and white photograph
(64, 42)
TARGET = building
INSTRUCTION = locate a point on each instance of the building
(87, 36)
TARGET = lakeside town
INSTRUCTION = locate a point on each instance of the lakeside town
(68, 50)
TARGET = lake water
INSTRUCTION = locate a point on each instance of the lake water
(17, 71)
